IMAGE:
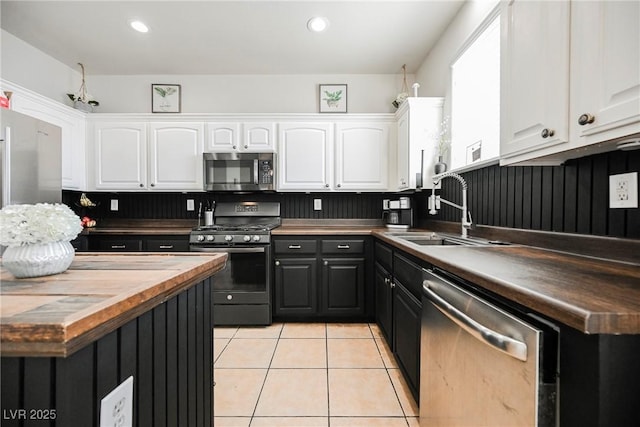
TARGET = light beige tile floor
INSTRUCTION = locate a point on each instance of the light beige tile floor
(308, 375)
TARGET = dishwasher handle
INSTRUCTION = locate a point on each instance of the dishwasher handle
(500, 342)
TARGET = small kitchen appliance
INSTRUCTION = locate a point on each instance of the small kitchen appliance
(242, 291)
(398, 213)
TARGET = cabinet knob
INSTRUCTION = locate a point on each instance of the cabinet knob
(547, 133)
(246, 146)
(392, 284)
(277, 262)
(153, 185)
(229, 297)
(141, 185)
(235, 146)
(339, 185)
(326, 185)
(326, 262)
(586, 119)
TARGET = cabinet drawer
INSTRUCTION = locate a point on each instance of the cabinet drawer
(295, 246)
(384, 256)
(342, 246)
(133, 245)
(408, 274)
(168, 245)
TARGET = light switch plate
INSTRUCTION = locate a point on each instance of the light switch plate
(317, 204)
(116, 408)
(114, 204)
(623, 190)
(190, 205)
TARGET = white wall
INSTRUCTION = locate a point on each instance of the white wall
(26, 66)
(434, 73)
(29, 67)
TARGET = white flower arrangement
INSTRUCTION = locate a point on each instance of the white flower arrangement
(39, 223)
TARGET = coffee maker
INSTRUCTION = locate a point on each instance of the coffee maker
(397, 213)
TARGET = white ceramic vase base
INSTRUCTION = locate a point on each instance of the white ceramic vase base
(39, 259)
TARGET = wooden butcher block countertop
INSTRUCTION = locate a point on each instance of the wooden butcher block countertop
(59, 314)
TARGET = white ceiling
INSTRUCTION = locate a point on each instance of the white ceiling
(232, 37)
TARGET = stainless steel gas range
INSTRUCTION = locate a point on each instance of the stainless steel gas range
(242, 291)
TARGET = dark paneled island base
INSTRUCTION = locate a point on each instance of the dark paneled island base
(167, 350)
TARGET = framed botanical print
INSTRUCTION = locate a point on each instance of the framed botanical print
(333, 98)
(166, 98)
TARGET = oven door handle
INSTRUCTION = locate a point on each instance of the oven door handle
(233, 250)
(500, 342)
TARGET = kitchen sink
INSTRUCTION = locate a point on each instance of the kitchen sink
(423, 238)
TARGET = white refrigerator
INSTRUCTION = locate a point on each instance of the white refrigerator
(31, 159)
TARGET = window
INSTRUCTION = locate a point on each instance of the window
(475, 97)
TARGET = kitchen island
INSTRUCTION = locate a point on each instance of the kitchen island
(68, 340)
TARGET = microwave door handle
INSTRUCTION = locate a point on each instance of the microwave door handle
(255, 171)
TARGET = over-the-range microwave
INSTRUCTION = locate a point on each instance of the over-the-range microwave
(239, 171)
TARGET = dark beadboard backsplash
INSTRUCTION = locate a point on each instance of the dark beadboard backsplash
(155, 205)
(572, 198)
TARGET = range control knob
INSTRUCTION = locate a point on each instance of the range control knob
(200, 238)
(228, 238)
(256, 238)
(210, 238)
(247, 238)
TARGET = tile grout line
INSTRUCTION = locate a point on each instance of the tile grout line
(266, 375)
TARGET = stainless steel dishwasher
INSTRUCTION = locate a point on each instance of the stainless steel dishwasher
(482, 363)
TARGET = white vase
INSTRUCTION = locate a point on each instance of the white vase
(37, 260)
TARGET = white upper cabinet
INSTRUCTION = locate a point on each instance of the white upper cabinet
(535, 75)
(72, 128)
(304, 156)
(120, 151)
(571, 72)
(231, 137)
(605, 70)
(418, 123)
(155, 156)
(362, 156)
(175, 156)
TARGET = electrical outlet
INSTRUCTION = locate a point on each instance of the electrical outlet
(317, 204)
(116, 408)
(623, 190)
(190, 205)
(114, 204)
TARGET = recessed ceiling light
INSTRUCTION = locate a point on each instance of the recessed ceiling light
(317, 24)
(139, 26)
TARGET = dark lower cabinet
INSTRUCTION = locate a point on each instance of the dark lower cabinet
(322, 278)
(384, 301)
(343, 286)
(296, 286)
(407, 312)
(138, 243)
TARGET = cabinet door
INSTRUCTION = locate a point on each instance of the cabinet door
(120, 151)
(605, 70)
(384, 302)
(222, 137)
(304, 156)
(72, 129)
(175, 151)
(535, 75)
(402, 171)
(406, 335)
(362, 156)
(296, 286)
(343, 286)
(259, 137)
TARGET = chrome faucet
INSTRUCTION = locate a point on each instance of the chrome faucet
(434, 201)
